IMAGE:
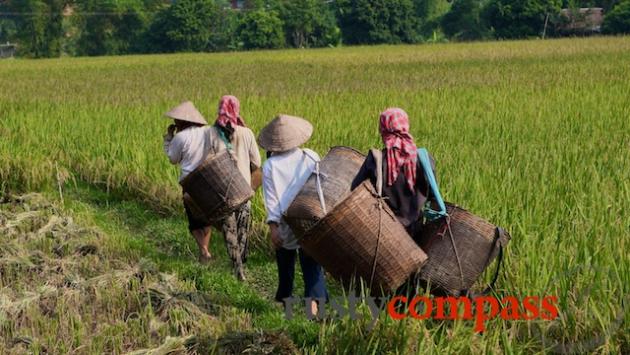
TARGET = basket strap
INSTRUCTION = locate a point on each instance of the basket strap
(499, 241)
(378, 158)
(320, 191)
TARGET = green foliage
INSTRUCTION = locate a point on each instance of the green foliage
(618, 20)
(261, 29)
(112, 26)
(605, 4)
(8, 30)
(188, 26)
(463, 21)
(519, 18)
(309, 23)
(377, 21)
(39, 26)
(428, 15)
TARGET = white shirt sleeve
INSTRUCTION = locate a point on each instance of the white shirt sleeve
(272, 202)
(173, 149)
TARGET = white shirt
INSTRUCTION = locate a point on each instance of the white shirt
(284, 175)
(187, 148)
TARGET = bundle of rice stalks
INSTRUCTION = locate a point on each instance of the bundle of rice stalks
(171, 346)
(256, 343)
(62, 293)
(186, 312)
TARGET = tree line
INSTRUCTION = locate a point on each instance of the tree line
(51, 28)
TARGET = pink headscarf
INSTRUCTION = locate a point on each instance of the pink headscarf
(229, 112)
(401, 149)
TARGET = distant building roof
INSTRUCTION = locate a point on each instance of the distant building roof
(586, 19)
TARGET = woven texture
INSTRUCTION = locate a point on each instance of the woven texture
(345, 242)
(216, 187)
(337, 170)
(186, 111)
(284, 133)
(476, 244)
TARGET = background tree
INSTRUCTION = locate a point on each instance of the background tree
(308, 23)
(261, 29)
(186, 26)
(519, 18)
(38, 26)
(463, 21)
(618, 20)
(110, 27)
(377, 21)
(8, 30)
(607, 5)
(429, 14)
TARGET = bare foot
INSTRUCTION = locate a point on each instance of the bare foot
(240, 275)
(204, 259)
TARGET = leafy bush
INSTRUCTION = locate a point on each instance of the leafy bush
(187, 26)
(519, 18)
(377, 21)
(113, 27)
(261, 29)
(39, 26)
(618, 20)
(309, 23)
(463, 21)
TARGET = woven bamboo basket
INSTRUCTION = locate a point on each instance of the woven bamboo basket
(336, 172)
(347, 244)
(475, 242)
(216, 188)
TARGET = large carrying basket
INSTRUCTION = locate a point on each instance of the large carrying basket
(317, 197)
(362, 238)
(216, 188)
(459, 247)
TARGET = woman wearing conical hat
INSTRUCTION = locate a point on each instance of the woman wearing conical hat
(185, 144)
(284, 173)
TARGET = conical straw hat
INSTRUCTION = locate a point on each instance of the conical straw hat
(285, 133)
(186, 111)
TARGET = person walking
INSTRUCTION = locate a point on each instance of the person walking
(405, 186)
(284, 173)
(185, 144)
(230, 132)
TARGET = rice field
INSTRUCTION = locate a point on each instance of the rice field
(533, 135)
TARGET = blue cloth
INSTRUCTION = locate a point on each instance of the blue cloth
(429, 213)
(312, 273)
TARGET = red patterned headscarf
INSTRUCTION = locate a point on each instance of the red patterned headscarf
(401, 149)
(229, 112)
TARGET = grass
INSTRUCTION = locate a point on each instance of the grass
(532, 135)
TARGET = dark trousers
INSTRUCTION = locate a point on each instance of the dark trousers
(314, 283)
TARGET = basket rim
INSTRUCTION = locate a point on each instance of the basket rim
(346, 147)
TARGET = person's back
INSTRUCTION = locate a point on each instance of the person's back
(188, 149)
(285, 173)
(405, 187)
(407, 204)
(243, 147)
